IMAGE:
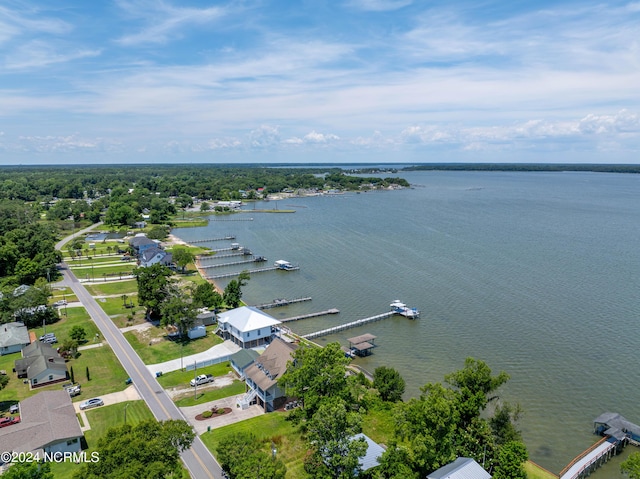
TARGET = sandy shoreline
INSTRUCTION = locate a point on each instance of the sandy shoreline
(173, 240)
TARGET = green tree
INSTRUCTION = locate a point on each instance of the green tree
(69, 346)
(243, 456)
(503, 423)
(233, 291)
(205, 295)
(315, 374)
(153, 282)
(335, 451)
(4, 380)
(389, 383)
(511, 459)
(78, 333)
(29, 470)
(149, 450)
(182, 256)
(395, 463)
(631, 466)
(177, 309)
(474, 383)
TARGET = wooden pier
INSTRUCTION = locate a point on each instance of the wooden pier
(277, 303)
(594, 457)
(353, 324)
(311, 315)
(252, 271)
(213, 257)
(211, 240)
(220, 265)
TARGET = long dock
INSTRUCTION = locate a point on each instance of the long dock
(213, 257)
(220, 265)
(588, 461)
(259, 270)
(311, 315)
(211, 240)
(277, 303)
(353, 324)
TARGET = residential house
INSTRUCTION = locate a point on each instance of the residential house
(242, 359)
(461, 468)
(154, 255)
(247, 326)
(41, 365)
(48, 424)
(13, 337)
(262, 376)
(140, 243)
(374, 451)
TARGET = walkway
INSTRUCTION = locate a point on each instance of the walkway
(219, 350)
(601, 451)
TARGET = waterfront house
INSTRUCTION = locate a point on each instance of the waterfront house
(461, 468)
(140, 243)
(371, 457)
(41, 365)
(13, 337)
(262, 376)
(48, 424)
(247, 326)
(155, 255)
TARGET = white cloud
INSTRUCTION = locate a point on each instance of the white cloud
(38, 53)
(314, 137)
(263, 137)
(164, 21)
(379, 5)
(58, 144)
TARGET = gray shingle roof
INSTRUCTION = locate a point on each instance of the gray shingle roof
(46, 418)
(273, 361)
(12, 334)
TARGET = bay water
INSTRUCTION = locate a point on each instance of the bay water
(536, 273)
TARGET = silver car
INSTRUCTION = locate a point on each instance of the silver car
(89, 403)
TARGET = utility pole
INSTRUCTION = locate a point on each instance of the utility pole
(195, 375)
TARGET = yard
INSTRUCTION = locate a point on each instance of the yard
(206, 395)
(154, 346)
(272, 427)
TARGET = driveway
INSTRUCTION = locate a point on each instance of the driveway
(219, 350)
(129, 394)
(214, 422)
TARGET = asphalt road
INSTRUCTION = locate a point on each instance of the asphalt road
(198, 459)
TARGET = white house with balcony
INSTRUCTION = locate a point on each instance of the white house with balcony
(247, 326)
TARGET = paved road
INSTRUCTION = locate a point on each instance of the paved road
(198, 459)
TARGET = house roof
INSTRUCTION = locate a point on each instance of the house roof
(362, 338)
(138, 241)
(244, 357)
(151, 252)
(43, 364)
(12, 334)
(374, 451)
(38, 348)
(461, 468)
(616, 421)
(46, 418)
(247, 318)
(39, 357)
(272, 363)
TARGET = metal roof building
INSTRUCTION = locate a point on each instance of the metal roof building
(461, 468)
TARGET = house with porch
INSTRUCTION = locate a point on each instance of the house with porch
(13, 337)
(48, 424)
(247, 326)
(154, 255)
(262, 376)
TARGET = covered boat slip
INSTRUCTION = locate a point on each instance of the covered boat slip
(362, 345)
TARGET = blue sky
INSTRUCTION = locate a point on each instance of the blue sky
(319, 81)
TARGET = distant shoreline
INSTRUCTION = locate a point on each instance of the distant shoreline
(526, 167)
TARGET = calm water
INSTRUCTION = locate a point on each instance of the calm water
(535, 273)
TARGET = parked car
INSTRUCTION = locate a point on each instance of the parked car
(73, 389)
(48, 335)
(14, 408)
(50, 340)
(89, 403)
(202, 379)
(8, 421)
(61, 302)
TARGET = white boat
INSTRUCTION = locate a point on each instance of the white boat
(399, 307)
(282, 264)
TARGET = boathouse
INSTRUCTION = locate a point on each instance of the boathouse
(362, 345)
(614, 425)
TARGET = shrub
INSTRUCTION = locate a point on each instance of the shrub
(207, 414)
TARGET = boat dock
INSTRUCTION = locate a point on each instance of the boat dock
(203, 258)
(211, 240)
(251, 271)
(233, 263)
(276, 303)
(311, 315)
(589, 460)
(353, 324)
(410, 313)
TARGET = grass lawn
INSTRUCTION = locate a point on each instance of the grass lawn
(98, 273)
(153, 345)
(182, 378)
(75, 316)
(234, 389)
(536, 472)
(128, 287)
(100, 420)
(378, 425)
(290, 443)
(105, 371)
